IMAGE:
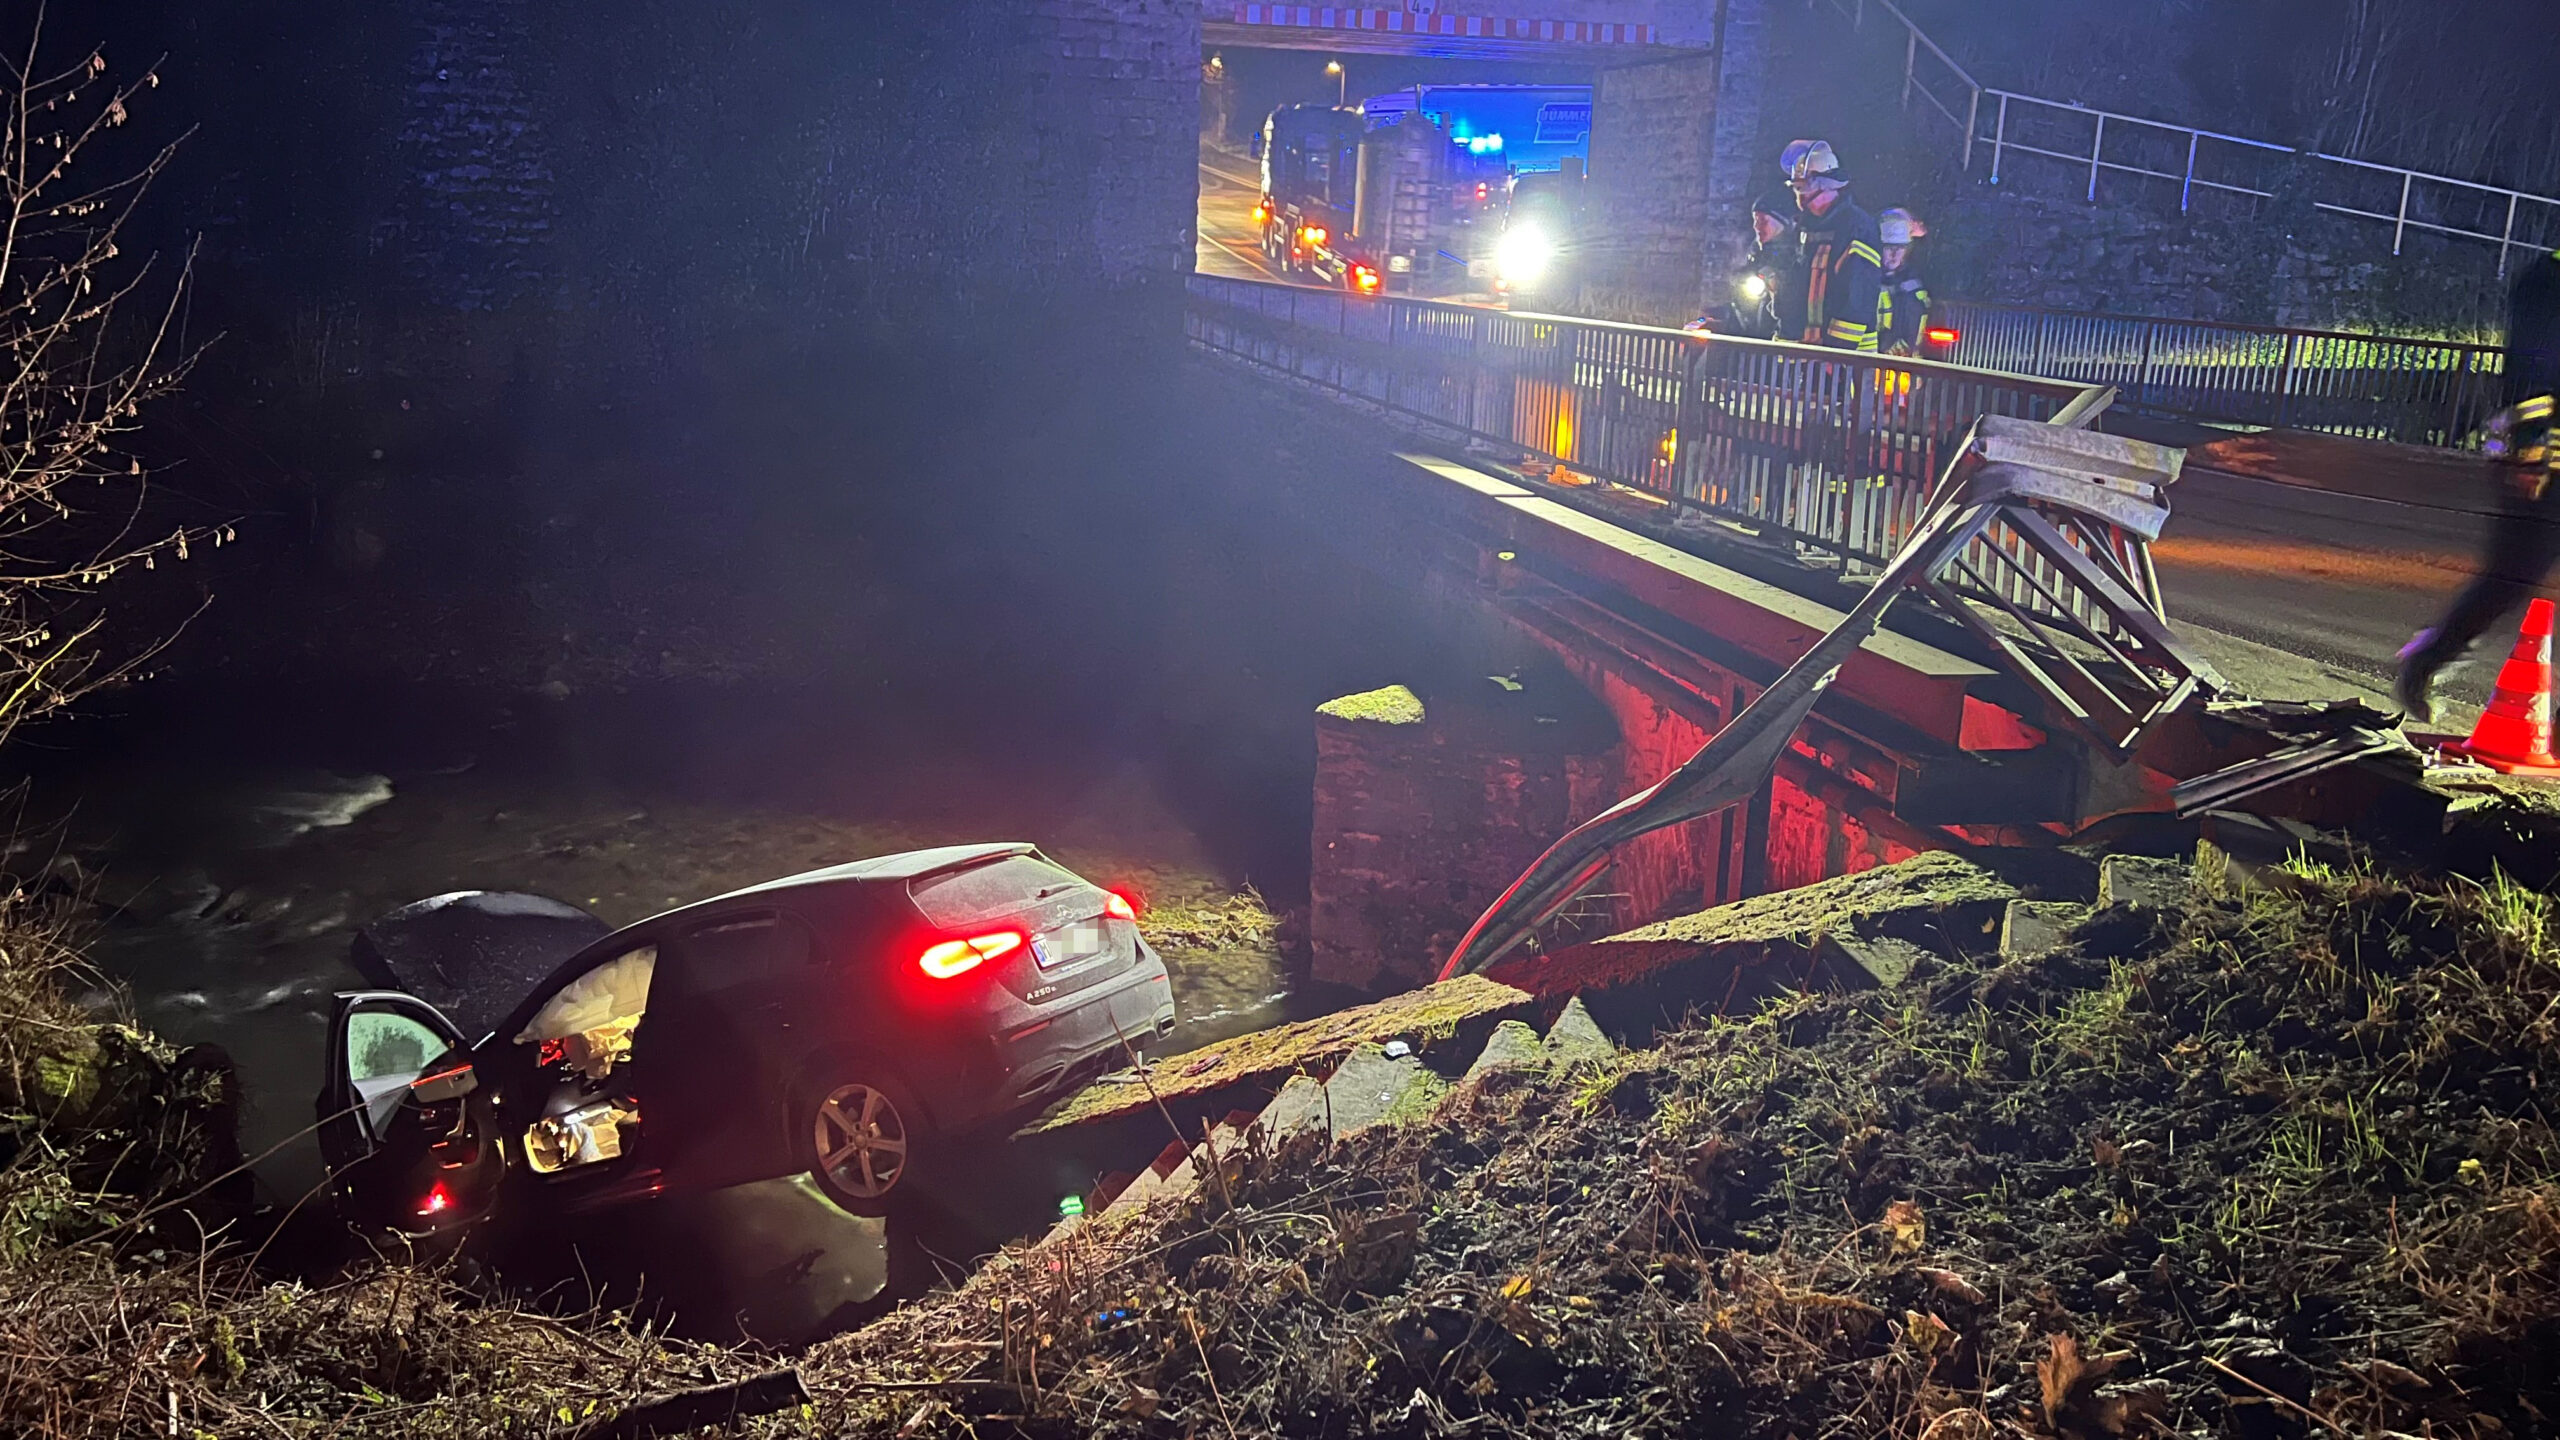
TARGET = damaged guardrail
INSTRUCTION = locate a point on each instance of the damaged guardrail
(2050, 505)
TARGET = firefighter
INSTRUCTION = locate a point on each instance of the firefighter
(2525, 542)
(1840, 260)
(1902, 311)
(1761, 284)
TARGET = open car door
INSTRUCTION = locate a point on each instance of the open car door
(404, 1123)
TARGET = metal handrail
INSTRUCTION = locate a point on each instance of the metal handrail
(2380, 387)
(2188, 180)
(1832, 449)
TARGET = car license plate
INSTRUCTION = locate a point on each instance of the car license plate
(1066, 943)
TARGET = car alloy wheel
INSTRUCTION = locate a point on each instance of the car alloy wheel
(861, 1143)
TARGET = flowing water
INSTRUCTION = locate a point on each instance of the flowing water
(236, 841)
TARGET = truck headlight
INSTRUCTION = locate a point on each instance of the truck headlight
(1523, 254)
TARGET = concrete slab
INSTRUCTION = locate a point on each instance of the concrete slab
(1513, 1046)
(1858, 959)
(1372, 1089)
(2143, 881)
(1853, 931)
(1575, 1038)
(1299, 1108)
(2035, 927)
(1449, 1009)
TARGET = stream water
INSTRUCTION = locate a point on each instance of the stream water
(235, 840)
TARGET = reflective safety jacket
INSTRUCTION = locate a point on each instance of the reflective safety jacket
(1840, 275)
(1902, 312)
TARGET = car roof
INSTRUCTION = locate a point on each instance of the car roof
(905, 865)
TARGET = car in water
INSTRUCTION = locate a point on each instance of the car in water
(521, 1056)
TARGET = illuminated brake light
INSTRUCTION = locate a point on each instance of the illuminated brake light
(437, 1202)
(1364, 277)
(1117, 906)
(952, 957)
(1940, 335)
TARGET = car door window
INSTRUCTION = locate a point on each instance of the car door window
(386, 1052)
(583, 1036)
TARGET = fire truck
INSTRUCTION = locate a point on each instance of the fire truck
(1416, 191)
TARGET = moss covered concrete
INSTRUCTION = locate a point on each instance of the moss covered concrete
(1435, 1012)
(1936, 881)
(1388, 705)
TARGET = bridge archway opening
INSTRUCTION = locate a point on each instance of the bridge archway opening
(1637, 191)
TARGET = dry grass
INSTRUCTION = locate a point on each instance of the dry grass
(2280, 1171)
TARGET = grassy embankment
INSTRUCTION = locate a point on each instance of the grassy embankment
(2276, 1163)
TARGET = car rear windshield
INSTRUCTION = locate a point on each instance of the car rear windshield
(997, 890)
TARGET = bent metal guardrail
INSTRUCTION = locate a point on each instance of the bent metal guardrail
(1834, 449)
(2373, 387)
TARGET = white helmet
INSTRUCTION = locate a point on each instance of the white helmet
(1898, 226)
(1816, 162)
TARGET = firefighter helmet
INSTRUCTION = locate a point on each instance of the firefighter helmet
(1900, 227)
(1817, 162)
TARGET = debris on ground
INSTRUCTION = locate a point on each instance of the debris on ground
(2252, 1155)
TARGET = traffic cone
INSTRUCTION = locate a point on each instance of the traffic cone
(2514, 733)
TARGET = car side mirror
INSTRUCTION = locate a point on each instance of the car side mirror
(450, 1083)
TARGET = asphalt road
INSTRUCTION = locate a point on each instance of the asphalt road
(2334, 550)
(1228, 238)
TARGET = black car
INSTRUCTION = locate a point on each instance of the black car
(837, 1023)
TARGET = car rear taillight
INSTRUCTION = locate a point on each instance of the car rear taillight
(1365, 278)
(952, 957)
(1941, 335)
(1118, 906)
(437, 1201)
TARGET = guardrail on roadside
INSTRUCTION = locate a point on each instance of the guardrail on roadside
(2373, 387)
(1833, 449)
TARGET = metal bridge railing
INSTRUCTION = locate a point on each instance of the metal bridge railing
(1833, 449)
(2374, 387)
(2079, 146)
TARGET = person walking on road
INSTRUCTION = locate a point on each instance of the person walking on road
(1840, 260)
(1902, 315)
(2525, 542)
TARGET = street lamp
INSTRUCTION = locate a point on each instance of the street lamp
(1342, 82)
